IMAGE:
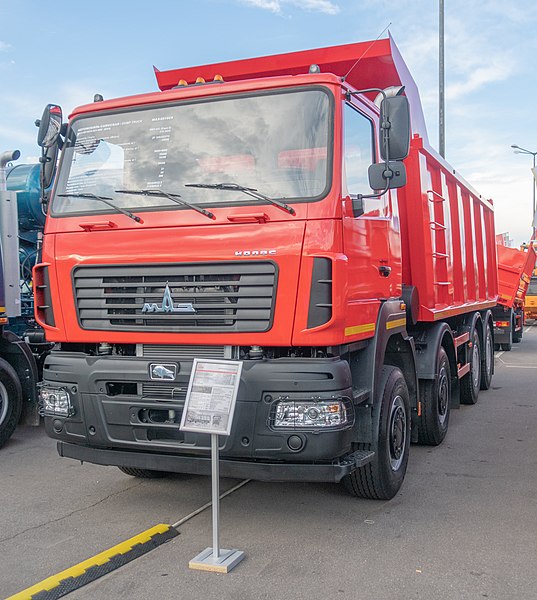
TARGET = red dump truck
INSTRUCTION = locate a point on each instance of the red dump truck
(515, 268)
(285, 211)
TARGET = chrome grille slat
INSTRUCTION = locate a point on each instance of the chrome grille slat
(162, 391)
(230, 297)
(176, 391)
(163, 352)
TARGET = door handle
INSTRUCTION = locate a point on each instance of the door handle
(385, 271)
(249, 218)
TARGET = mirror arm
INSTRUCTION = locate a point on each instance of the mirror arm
(348, 94)
(43, 199)
(358, 200)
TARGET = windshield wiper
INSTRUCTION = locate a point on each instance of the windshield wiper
(173, 197)
(246, 190)
(106, 200)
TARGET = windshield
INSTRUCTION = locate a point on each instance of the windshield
(277, 143)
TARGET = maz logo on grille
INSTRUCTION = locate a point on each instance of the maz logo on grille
(168, 305)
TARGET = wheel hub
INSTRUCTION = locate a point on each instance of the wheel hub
(476, 366)
(443, 396)
(489, 352)
(397, 432)
(4, 403)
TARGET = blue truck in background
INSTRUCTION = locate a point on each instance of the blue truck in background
(23, 347)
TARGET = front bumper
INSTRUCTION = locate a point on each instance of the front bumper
(118, 429)
(260, 471)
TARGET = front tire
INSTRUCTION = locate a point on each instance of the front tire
(143, 473)
(382, 478)
(10, 401)
(471, 382)
(435, 400)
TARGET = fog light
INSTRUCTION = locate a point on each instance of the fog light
(313, 414)
(56, 402)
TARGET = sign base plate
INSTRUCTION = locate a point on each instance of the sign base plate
(205, 561)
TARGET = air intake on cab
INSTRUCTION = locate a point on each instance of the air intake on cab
(320, 308)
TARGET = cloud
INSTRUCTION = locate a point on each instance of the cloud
(276, 6)
(4, 46)
(477, 78)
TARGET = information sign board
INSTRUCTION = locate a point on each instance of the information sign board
(211, 396)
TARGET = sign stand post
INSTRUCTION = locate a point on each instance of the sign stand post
(216, 559)
(209, 406)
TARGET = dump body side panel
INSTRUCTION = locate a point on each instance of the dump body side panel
(514, 271)
(449, 252)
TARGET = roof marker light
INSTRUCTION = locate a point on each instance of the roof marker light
(182, 83)
(200, 80)
(218, 78)
(314, 69)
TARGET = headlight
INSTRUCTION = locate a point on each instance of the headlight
(312, 414)
(56, 402)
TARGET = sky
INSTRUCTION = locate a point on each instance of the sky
(65, 52)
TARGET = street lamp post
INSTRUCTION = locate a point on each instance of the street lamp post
(441, 99)
(519, 150)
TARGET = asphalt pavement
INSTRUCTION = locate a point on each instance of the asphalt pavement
(464, 525)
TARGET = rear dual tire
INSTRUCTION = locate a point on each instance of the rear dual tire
(435, 396)
(471, 382)
(487, 366)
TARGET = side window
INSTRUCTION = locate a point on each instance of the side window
(358, 141)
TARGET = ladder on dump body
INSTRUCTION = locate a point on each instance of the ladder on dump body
(439, 235)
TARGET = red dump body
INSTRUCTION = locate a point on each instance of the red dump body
(448, 240)
(514, 271)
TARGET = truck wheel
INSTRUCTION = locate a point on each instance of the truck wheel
(517, 335)
(143, 473)
(435, 399)
(487, 365)
(10, 401)
(471, 382)
(383, 476)
(506, 347)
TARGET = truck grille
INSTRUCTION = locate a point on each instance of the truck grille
(176, 391)
(226, 297)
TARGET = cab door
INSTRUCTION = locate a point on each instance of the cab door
(371, 240)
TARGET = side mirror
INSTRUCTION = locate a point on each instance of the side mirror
(49, 126)
(384, 176)
(395, 124)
